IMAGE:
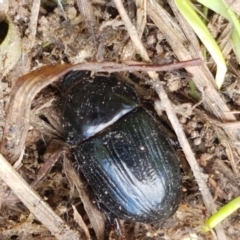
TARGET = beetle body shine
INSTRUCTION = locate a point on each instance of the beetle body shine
(126, 157)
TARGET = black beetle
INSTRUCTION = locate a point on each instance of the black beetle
(126, 157)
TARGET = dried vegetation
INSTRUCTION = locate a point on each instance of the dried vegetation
(51, 35)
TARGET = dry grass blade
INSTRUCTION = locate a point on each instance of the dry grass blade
(18, 113)
(34, 203)
(234, 5)
(79, 220)
(86, 9)
(33, 22)
(134, 33)
(96, 217)
(202, 78)
(30, 124)
(177, 40)
(151, 10)
(129, 50)
(17, 120)
(46, 168)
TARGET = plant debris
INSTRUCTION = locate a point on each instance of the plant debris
(54, 40)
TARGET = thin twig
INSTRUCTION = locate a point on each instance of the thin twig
(86, 9)
(26, 88)
(33, 23)
(81, 223)
(96, 217)
(132, 31)
(34, 203)
(207, 197)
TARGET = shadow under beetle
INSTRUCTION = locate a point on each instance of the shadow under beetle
(126, 157)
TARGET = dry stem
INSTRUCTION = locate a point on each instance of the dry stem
(207, 197)
(35, 204)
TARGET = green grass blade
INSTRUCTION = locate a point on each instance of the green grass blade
(224, 10)
(205, 36)
(222, 214)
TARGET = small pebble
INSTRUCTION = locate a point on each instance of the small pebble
(197, 141)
